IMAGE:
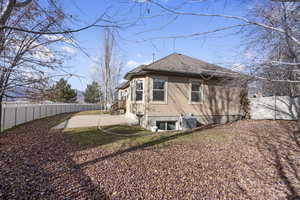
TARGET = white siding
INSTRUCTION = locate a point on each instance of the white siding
(15, 114)
(280, 107)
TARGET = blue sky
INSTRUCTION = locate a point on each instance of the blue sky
(134, 45)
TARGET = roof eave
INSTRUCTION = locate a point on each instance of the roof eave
(194, 74)
(123, 86)
(129, 76)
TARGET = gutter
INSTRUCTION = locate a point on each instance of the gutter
(219, 74)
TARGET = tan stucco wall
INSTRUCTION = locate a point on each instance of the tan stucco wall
(137, 107)
(218, 99)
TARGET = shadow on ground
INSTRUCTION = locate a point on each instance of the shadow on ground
(278, 143)
(91, 137)
(36, 164)
(161, 139)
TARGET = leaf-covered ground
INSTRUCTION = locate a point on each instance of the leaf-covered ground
(243, 160)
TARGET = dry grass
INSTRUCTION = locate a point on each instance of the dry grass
(130, 136)
(242, 160)
(92, 112)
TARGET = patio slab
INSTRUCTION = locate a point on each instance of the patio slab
(94, 120)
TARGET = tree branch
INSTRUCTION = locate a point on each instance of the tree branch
(197, 34)
(56, 32)
(245, 20)
(22, 4)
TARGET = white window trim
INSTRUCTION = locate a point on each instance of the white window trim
(134, 94)
(190, 91)
(166, 125)
(126, 94)
(166, 89)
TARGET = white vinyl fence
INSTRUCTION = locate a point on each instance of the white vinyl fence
(279, 107)
(15, 114)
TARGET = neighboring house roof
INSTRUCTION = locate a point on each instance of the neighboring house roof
(123, 85)
(180, 64)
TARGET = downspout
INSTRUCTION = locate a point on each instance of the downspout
(147, 100)
(275, 108)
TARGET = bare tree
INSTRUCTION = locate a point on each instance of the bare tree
(262, 22)
(279, 54)
(29, 58)
(108, 42)
(110, 67)
(7, 9)
(279, 61)
(273, 29)
(116, 76)
(31, 34)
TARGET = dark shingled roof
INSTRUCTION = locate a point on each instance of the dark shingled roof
(123, 85)
(178, 63)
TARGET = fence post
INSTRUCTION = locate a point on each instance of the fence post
(275, 108)
(16, 110)
(3, 119)
(25, 113)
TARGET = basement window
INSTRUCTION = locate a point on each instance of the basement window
(166, 125)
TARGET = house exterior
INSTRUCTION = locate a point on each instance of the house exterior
(123, 91)
(160, 93)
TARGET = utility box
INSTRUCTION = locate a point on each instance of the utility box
(154, 129)
(188, 122)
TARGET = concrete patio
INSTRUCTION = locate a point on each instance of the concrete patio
(94, 120)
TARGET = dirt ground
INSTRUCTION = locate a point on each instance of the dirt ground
(257, 160)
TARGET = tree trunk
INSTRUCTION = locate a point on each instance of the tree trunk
(1, 125)
(298, 113)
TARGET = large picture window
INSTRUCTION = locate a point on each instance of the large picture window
(139, 90)
(158, 90)
(196, 92)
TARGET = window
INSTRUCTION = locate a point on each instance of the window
(139, 90)
(196, 92)
(166, 125)
(123, 95)
(120, 95)
(158, 90)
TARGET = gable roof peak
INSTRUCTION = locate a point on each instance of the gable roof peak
(182, 64)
